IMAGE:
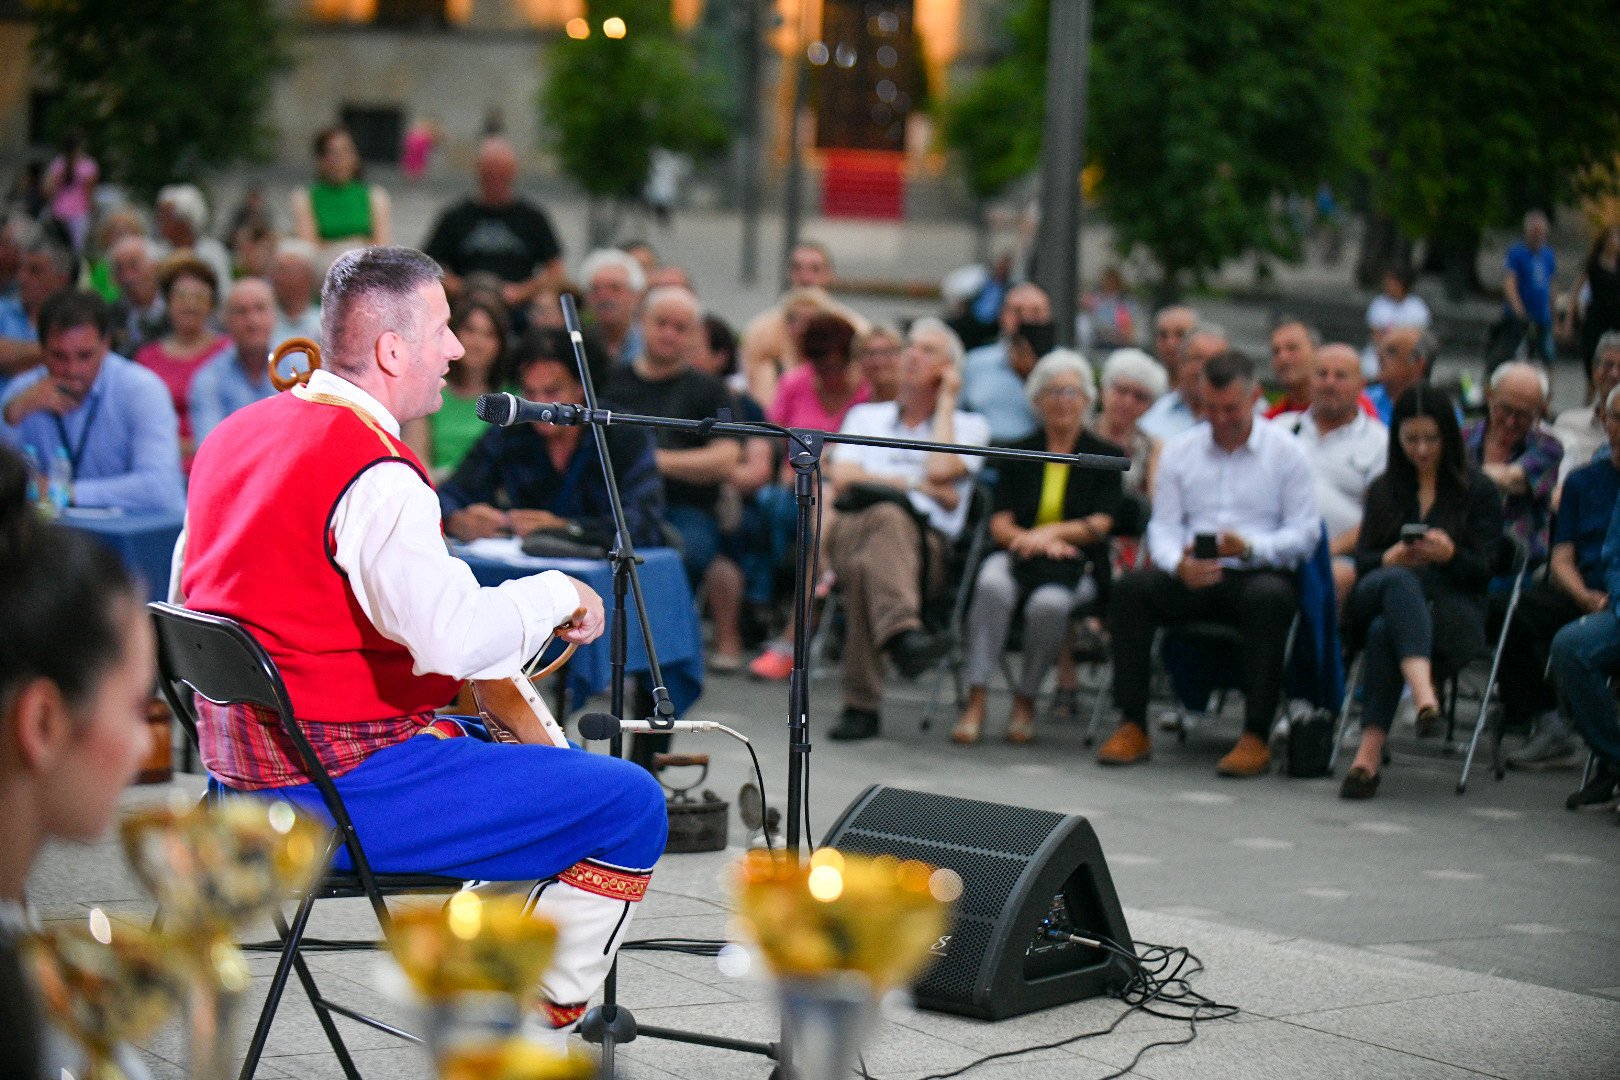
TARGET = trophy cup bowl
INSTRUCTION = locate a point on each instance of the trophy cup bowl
(837, 932)
(106, 983)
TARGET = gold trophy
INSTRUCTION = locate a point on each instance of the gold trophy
(838, 932)
(474, 963)
(214, 868)
(105, 984)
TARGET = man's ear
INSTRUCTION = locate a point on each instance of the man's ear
(390, 357)
(37, 725)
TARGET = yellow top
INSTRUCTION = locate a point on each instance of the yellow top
(1054, 482)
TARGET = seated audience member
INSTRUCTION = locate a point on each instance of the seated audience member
(614, 285)
(496, 231)
(516, 480)
(1170, 329)
(1051, 523)
(296, 283)
(76, 674)
(1582, 431)
(770, 340)
(545, 307)
(112, 418)
(1395, 306)
(1405, 354)
(1583, 658)
(896, 512)
(138, 314)
(182, 221)
(1110, 312)
(1293, 353)
(190, 291)
(1248, 484)
(479, 321)
(1418, 608)
(1131, 382)
(819, 392)
(46, 268)
(240, 374)
(340, 211)
(1521, 458)
(993, 375)
(15, 231)
(117, 225)
(660, 381)
(878, 353)
(1183, 406)
(1574, 586)
(1348, 452)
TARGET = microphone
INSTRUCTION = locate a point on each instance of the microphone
(504, 410)
(595, 726)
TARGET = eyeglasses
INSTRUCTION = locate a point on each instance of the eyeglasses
(1063, 392)
(1131, 390)
(1503, 411)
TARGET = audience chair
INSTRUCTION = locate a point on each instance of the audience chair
(216, 658)
(967, 553)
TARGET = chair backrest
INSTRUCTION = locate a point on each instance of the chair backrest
(218, 659)
(1510, 556)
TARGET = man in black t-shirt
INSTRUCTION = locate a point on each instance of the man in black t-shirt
(496, 232)
(661, 382)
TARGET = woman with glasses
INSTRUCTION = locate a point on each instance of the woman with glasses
(1051, 523)
(1131, 382)
(1423, 562)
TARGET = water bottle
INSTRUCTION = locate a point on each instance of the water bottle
(37, 494)
(61, 481)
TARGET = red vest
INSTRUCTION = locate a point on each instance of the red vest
(259, 550)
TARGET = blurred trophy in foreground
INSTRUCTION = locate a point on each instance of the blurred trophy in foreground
(105, 984)
(214, 869)
(473, 966)
(838, 933)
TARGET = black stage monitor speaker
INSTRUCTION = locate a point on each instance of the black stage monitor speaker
(1027, 875)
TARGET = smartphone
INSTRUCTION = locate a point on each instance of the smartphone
(1413, 531)
(1206, 546)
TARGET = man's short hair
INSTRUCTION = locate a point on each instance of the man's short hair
(930, 325)
(1503, 370)
(298, 248)
(1609, 340)
(1205, 328)
(814, 245)
(367, 292)
(1312, 334)
(61, 257)
(68, 309)
(674, 292)
(149, 247)
(605, 257)
(1225, 368)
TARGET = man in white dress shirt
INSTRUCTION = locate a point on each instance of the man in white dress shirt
(1245, 484)
(313, 525)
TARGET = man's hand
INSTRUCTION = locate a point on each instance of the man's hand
(586, 627)
(1198, 573)
(477, 522)
(1594, 601)
(43, 396)
(524, 522)
(1233, 546)
(950, 385)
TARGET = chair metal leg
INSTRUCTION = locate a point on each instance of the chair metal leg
(1104, 682)
(1351, 683)
(290, 939)
(1485, 697)
(322, 1013)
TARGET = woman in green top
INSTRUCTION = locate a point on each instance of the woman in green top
(339, 210)
(480, 321)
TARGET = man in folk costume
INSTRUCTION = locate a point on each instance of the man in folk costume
(314, 526)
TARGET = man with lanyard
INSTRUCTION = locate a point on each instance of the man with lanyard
(372, 624)
(110, 418)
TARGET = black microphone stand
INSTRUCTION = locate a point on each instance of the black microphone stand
(611, 1023)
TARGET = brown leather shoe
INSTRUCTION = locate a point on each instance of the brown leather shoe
(1250, 757)
(1126, 746)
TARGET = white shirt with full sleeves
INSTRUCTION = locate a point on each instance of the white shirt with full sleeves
(1264, 491)
(389, 543)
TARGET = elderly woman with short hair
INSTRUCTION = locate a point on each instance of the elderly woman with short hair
(1051, 524)
(1131, 382)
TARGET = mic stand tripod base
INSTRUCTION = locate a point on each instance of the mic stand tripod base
(607, 1022)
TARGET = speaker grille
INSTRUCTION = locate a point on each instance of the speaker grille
(952, 977)
(986, 878)
(944, 819)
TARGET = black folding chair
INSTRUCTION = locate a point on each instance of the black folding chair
(219, 660)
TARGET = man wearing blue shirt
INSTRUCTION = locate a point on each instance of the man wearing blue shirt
(45, 268)
(112, 419)
(993, 375)
(1574, 587)
(1527, 288)
(240, 375)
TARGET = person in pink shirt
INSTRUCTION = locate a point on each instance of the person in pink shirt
(818, 392)
(70, 184)
(189, 293)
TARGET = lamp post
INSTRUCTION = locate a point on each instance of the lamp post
(1063, 152)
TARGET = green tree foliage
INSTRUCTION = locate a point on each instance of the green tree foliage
(612, 100)
(1483, 110)
(161, 89)
(989, 122)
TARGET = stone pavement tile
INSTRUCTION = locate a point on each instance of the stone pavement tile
(1526, 958)
(397, 1062)
(1266, 1050)
(1510, 1030)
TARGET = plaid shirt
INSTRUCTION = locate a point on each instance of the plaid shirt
(1526, 516)
(244, 747)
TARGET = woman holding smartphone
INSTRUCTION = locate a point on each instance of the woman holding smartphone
(1422, 565)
